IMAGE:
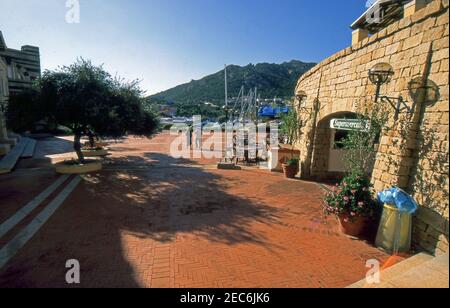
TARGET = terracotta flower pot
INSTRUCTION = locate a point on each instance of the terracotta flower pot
(354, 227)
(290, 171)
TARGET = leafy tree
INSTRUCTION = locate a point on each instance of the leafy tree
(23, 111)
(89, 101)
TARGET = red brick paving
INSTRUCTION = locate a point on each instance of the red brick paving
(173, 223)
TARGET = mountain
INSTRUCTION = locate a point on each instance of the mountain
(271, 80)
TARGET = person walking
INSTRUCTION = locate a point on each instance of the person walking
(198, 138)
(188, 135)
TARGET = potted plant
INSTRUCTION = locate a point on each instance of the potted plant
(351, 202)
(290, 130)
(290, 168)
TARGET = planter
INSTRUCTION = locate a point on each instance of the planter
(96, 144)
(95, 153)
(72, 168)
(290, 171)
(352, 228)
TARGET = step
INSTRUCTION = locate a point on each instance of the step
(4, 149)
(396, 270)
(9, 161)
(15, 136)
(431, 274)
(29, 149)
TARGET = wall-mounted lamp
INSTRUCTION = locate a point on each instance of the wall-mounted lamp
(301, 97)
(380, 74)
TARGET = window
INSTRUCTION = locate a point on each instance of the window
(10, 72)
(339, 137)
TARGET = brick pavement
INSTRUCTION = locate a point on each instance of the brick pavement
(178, 223)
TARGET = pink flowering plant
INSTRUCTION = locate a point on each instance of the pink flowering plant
(351, 199)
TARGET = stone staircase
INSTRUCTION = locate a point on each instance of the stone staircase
(420, 271)
(23, 149)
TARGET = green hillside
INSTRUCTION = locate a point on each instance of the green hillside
(271, 80)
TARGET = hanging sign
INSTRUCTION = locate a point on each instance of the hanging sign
(350, 124)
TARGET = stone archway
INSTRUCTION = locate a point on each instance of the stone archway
(327, 159)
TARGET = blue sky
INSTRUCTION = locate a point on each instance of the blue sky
(168, 42)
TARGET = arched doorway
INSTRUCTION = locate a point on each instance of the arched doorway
(328, 157)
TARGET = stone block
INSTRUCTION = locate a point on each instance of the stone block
(401, 35)
(11, 141)
(441, 79)
(442, 19)
(444, 65)
(4, 149)
(413, 41)
(433, 219)
(441, 54)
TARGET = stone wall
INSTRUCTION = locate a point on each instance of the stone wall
(413, 154)
(4, 148)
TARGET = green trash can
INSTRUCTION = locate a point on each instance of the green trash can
(394, 232)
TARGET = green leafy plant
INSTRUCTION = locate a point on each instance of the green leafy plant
(350, 199)
(360, 145)
(291, 126)
(292, 162)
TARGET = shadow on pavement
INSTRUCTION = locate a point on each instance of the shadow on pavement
(117, 219)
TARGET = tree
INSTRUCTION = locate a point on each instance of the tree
(291, 126)
(360, 144)
(23, 111)
(89, 101)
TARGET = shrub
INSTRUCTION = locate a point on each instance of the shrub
(292, 162)
(350, 199)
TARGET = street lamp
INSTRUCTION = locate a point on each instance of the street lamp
(380, 74)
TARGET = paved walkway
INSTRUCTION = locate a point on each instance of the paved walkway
(149, 220)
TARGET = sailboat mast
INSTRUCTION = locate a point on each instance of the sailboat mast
(226, 88)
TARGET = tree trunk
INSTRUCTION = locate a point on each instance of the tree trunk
(77, 148)
(91, 140)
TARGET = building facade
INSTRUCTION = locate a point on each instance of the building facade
(18, 70)
(412, 37)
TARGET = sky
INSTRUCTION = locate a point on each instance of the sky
(168, 42)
